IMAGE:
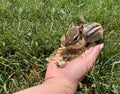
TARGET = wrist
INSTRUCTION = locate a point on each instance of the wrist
(62, 84)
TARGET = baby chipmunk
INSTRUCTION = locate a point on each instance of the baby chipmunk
(75, 39)
(78, 36)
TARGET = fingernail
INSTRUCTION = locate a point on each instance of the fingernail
(101, 46)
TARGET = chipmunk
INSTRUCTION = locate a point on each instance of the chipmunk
(78, 36)
(76, 39)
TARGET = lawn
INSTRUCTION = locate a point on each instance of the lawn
(30, 31)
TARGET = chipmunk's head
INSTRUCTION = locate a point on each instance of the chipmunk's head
(72, 38)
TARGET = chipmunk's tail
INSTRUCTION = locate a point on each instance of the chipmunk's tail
(82, 18)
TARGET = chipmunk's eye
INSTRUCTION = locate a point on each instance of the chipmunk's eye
(76, 38)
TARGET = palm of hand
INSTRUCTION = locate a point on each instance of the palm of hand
(77, 68)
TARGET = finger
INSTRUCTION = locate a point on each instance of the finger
(51, 70)
(91, 57)
(51, 65)
(85, 64)
(95, 51)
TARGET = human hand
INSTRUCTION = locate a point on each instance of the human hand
(76, 70)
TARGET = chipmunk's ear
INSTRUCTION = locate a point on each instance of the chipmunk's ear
(71, 25)
(81, 29)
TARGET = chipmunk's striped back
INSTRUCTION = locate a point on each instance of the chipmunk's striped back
(92, 31)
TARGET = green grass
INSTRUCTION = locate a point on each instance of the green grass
(30, 31)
